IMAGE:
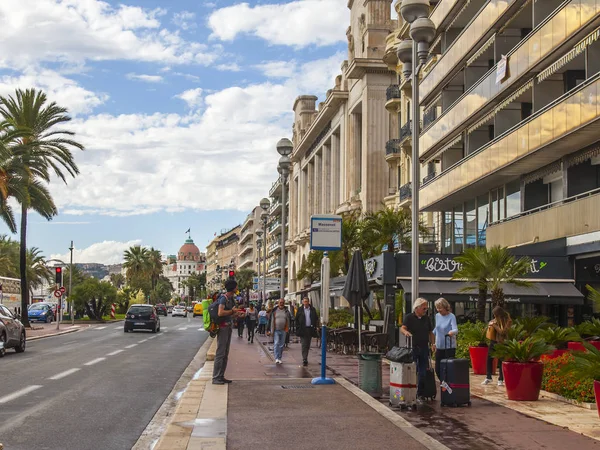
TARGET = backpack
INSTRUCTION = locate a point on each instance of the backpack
(213, 312)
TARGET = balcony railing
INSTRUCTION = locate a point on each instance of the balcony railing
(405, 191)
(429, 116)
(392, 146)
(274, 206)
(430, 176)
(406, 130)
(274, 226)
(392, 92)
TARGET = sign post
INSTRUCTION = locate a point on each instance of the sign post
(325, 235)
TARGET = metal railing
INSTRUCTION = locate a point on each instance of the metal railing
(405, 191)
(430, 116)
(393, 91)
(406, 130)
(430, 176)
(392, 146)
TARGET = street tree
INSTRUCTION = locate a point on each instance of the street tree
(38, 150)
(37, 271)
(94, 297)
(155, 265)
(117, 280)
(244, 278)
(137, 265)
(9, 257)
(162, 291)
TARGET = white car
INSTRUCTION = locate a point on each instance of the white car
(179, 311)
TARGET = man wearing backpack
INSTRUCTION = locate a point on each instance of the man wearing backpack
(226, 311)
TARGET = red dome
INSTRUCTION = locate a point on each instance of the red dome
(188, 251)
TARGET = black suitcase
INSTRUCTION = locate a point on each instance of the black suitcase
(430, 388)
(455, 385)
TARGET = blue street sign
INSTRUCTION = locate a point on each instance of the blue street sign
(255, 287)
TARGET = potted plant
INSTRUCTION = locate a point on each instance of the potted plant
(590, 331)
(557, 337)
(475, 334)
(530, 325)
(522, 369)
(587, 365)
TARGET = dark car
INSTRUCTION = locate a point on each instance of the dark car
(142, 317)
(161, 308)
(41, 312)
(12, 332)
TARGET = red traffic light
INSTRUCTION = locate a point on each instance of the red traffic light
(58, 275)
(231, 273)
(58, 269)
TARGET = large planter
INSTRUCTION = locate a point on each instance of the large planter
(597, 395)
(479, 360)
(523, 381)
(579, 346)
(555, 354)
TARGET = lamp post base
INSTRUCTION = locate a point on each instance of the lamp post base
(319, 380)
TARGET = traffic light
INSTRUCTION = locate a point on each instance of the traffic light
(232, 274)
(58, 275)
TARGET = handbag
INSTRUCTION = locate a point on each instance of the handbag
(491, 333)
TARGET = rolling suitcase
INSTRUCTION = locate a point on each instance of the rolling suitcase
(455, 386)
(430, 388)
(403, 383)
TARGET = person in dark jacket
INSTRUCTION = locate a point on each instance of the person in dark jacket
(306, 327)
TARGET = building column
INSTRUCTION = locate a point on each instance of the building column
(375, 168)
(326, 180)
(334, 173)
(318, 185)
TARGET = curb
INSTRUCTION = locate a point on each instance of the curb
(210, 354)
(35, 338)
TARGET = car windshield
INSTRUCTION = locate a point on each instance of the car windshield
(36, 307)
(140, 309)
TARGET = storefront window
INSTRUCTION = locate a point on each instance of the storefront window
(513, 199)
(482, 218)
(471, 225)
(447, 231)
(494, 206)
(459, 229)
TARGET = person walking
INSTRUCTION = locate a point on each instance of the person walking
(418, 325)
(445, 325)
(262, 321)
(306, 327)
(227, 311)
(241, 319)
(497, 333)
(279, 326)
(251, 319)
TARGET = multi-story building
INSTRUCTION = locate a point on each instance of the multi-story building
(248, 257)
(222, 254)
(189, 260)
(338, 159)
(509, 147)
(275, 226)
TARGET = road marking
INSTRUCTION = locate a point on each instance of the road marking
(100, 328)
(94, 361)
(117, 328)
(151, 337)
(116, 352)
(164, 328)
(18, 394)
(181, 328)
(131, 346)
(66, 373)
(200, 329)
(143, 340)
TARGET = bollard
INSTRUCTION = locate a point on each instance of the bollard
(112, 311)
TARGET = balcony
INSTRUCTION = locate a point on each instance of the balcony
(390, 57)
(275, 227)
(247, 249)
(246, 235)
(569, 217)
(405, 192)
(561, 29)
(248, 222)
(275, 190)
(246, 263)
(568, 123)
(275, 247)
(406, 130)
(392, 149)
(430, 176)
(393, 99)
(429, 117)
(275, 207)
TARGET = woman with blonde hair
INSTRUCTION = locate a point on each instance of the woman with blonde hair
(445, 325)
(497, 332)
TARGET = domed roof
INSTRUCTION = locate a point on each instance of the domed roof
(188, 251)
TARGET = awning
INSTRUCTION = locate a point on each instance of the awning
(559, 293)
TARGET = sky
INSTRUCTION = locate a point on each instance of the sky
(179, 104)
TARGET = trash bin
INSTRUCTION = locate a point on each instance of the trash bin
(369, 373)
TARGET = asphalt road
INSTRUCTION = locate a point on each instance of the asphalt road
(94, 389)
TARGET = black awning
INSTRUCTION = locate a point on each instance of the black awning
(559, 293)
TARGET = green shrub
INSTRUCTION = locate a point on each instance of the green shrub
(559, 380)
(527, 350)
(559, 337)
(469, 335)
(340, 318)
(532, 324)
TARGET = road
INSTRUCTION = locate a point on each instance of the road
(97, 388)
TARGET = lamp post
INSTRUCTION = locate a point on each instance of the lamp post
(264, 216)
(259, 241)
(71, 309)
(284, 148)
(413, 55)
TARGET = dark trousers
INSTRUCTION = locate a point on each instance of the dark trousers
(222, 353)
(421, 358)
(442, 353)
(240, 327)
(251, 328)
(490, 363)
(261, 328)
(306, 338)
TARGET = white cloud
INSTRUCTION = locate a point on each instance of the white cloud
(298, 23)
(145, 78)
(277, 69)
(76, 31)
(193, 97)
(229, 67)
(184, 20)
(106, 252)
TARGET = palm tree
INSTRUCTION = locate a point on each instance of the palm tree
(351, 239)
(474, 268)
(136, 262)
(117, 280)
(392, 228)
(9, 257)
(244, 278)
(37, 271)
(155, 265)
(37, 151)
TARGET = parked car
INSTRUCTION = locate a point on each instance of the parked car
(12, 332)
(161, 308)
(179, 311)
(142, 317)
(198, 310)
(40, 312)
(189, 308)
(169, 309)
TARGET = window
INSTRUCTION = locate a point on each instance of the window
(513, 198)
(482, 218)
(447, 232)
(458, 229)
(471, 225)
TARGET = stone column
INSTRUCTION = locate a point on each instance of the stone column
(318, 185)
(326, 179)
(310, 190)
(334, 174)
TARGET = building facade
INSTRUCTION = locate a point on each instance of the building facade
(222, 255)
(275, 226)
(178, 268)
(338, 162)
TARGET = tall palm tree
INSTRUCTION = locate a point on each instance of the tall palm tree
(136, 262)
(117, 280)
(474, 268)
(9, 257)
(36, 269)
(38, 151)
(155, 265)
(391, 227)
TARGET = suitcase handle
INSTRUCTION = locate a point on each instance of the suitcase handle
(409, 342)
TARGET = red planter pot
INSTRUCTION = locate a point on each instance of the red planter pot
(597, 394)
(479, 360)
(523, 381)
(579, 346)
(595, 344)
(555, 354)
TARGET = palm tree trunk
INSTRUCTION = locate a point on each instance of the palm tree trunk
(498, 297)
(23, 267)
(481, 301)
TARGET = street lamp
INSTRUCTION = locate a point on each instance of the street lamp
(284, 148)
(71, 309)
(264, 216)
(413, 55)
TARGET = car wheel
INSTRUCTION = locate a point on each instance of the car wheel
(22, 344)
(154, 329)
(2, 347)
(125, 330)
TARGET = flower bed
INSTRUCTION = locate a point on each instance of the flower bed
(566, 385)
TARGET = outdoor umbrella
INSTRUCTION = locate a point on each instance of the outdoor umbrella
(356, 287)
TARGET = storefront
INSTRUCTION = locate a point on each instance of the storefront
(587, 272)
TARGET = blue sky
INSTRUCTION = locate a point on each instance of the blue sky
(179, 104)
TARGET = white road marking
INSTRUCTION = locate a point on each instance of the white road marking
(200, 329)
(164, 328)
(117, 328)
(94, 361)
(116, 352)
(18, 394)
(101, 328)
(66, 373)
(143, 340)
(131, 346)
(181, 328)
(152, 337)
